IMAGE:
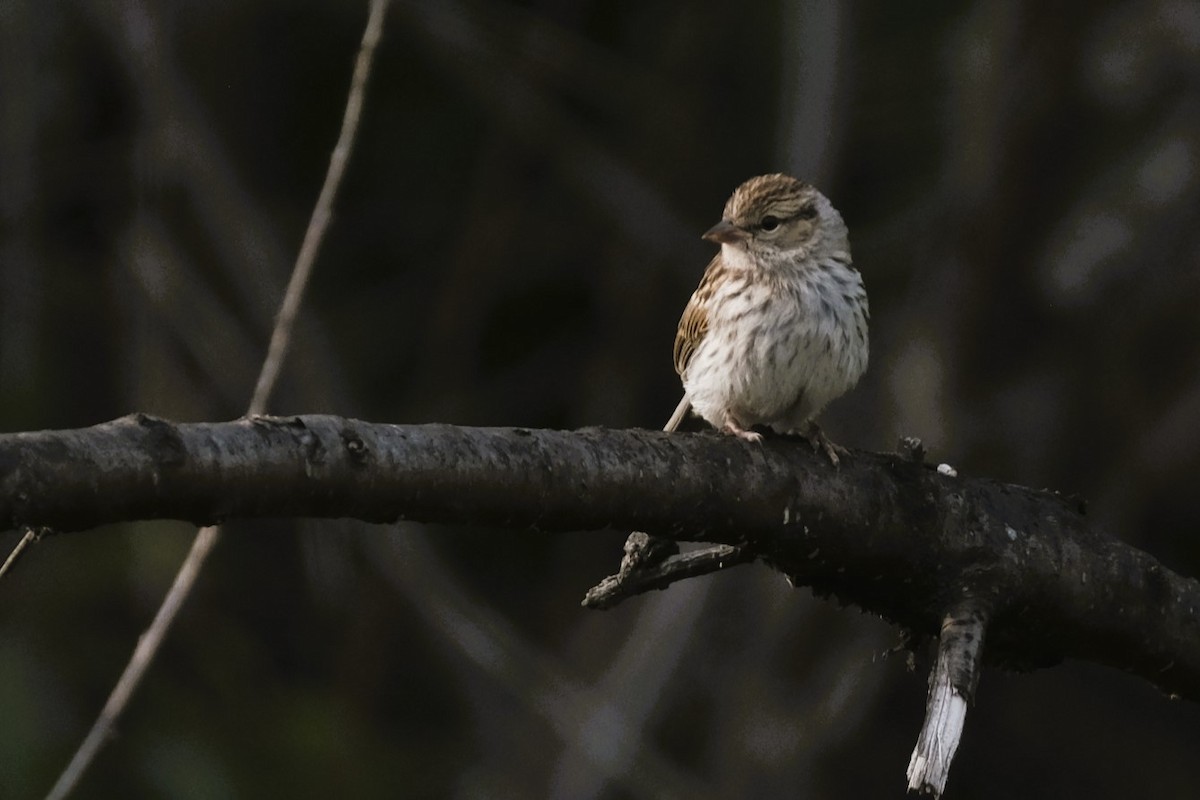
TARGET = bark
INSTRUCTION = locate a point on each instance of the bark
(884, 532)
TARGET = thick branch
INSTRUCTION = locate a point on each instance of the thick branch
(889, 535)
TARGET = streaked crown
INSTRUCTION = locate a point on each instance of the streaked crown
(777, 194)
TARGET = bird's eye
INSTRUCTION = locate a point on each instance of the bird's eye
(808, 212)
(769, 223)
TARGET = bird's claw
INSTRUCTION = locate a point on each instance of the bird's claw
(732, 427)
(820, 443)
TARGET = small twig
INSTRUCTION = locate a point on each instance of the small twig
(143, 654)
(149, 643)
(912, 449)
(951, 689)
(32, 535)
(641, 576)
(281, 336)
(642, 551)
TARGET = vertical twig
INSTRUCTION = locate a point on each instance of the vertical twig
(951, 688)
(149, 643)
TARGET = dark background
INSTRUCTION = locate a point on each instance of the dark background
(517, 235)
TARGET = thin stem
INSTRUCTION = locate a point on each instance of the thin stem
(150, 642)
(31, 536)
(281, 336)
(143, 654)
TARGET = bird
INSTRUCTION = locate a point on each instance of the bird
(777, 328)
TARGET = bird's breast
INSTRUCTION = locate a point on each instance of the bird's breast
(780, 349)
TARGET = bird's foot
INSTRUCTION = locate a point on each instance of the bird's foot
(731, 426)
(816, 437)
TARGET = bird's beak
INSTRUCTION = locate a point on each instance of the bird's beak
(724, 232)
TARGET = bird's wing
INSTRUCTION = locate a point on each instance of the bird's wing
(694, 322)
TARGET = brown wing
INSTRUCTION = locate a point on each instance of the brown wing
(694, 322)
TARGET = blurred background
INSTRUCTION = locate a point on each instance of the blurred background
(514, 243)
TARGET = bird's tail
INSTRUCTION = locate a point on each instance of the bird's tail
(680, 412)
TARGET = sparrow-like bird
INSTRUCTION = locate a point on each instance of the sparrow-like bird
(777, 327)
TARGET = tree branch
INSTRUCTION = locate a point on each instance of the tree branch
(639, 573)
(891, 536)
(952, 685)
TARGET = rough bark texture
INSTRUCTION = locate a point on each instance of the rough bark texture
(889, 535)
